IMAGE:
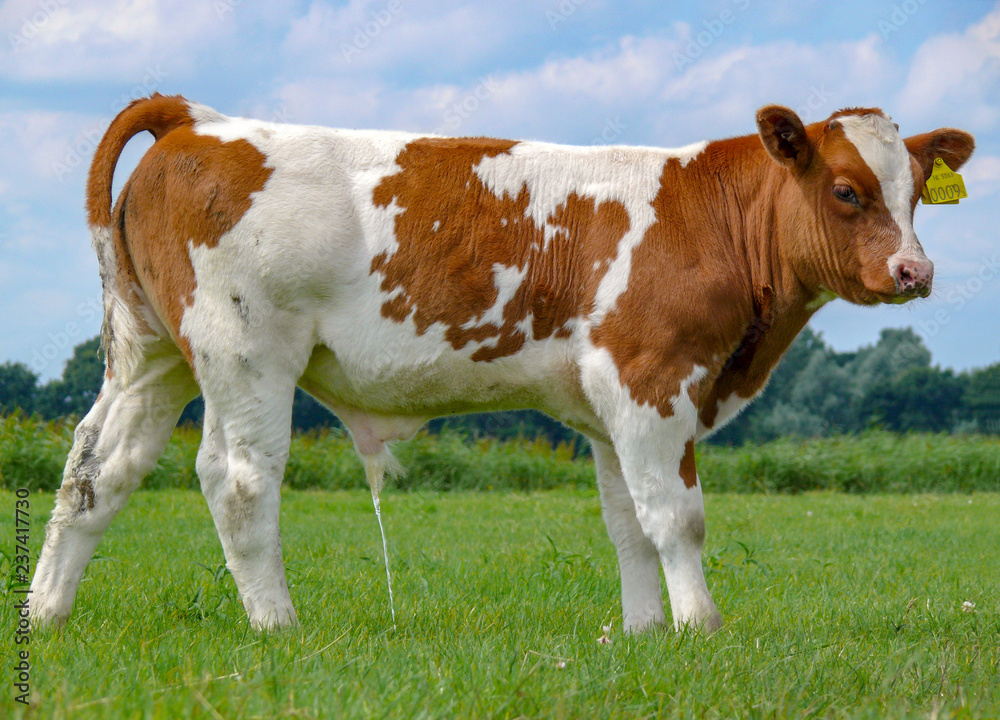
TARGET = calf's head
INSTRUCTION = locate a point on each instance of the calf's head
(849, 186)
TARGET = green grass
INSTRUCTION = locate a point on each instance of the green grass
(32, 455)
(836, 606)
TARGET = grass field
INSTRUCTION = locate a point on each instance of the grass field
(836, 606)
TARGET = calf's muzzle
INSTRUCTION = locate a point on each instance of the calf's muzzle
(913, 276)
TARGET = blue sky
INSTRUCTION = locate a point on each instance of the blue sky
(573, 71)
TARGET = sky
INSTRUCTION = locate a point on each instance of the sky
(568, 71)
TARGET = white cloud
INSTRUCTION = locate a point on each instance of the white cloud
(370, 36)
(345, 103)
(30, 142)
(983, 169)
(128, 22)
(957, 72)
(642, 84)
(95, 40)
(639, 78)
(645, 81)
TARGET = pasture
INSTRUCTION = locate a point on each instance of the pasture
(836, 606)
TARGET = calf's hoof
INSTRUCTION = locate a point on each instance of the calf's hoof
(275, 617)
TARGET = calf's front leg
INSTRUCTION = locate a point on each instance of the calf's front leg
(655, 451)
(669, 508)
(638, 558)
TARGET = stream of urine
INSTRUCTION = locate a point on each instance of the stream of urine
(385, 554)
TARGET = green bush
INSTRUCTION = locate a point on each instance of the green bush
(32, 452)
(175, 468)
(32, 455)
(875, 461)
(323, 460)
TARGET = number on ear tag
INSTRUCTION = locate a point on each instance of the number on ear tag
(944, 186)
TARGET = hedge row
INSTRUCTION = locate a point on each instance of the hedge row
(32, 455)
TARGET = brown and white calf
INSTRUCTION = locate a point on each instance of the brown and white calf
(639, 295)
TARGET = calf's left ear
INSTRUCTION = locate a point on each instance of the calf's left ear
(784, 137)
(952, 146)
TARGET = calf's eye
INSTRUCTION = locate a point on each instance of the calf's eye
(846, 193)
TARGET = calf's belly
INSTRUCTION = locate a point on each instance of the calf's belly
(389, 396)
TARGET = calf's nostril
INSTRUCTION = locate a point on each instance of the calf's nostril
(913, 275)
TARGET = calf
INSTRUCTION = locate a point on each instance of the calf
(639, 295)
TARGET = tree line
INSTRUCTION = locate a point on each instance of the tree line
(814, 391)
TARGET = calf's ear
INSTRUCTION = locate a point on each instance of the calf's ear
(952, 146)
(784, 137)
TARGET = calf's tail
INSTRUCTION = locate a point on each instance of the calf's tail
(123, 324)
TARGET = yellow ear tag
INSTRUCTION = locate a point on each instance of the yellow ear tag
(944, 186)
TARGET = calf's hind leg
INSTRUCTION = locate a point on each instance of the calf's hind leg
(114, 446)
(241, 463)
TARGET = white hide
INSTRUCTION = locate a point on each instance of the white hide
(883, 150)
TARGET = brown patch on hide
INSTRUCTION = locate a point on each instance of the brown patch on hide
(454, 233)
